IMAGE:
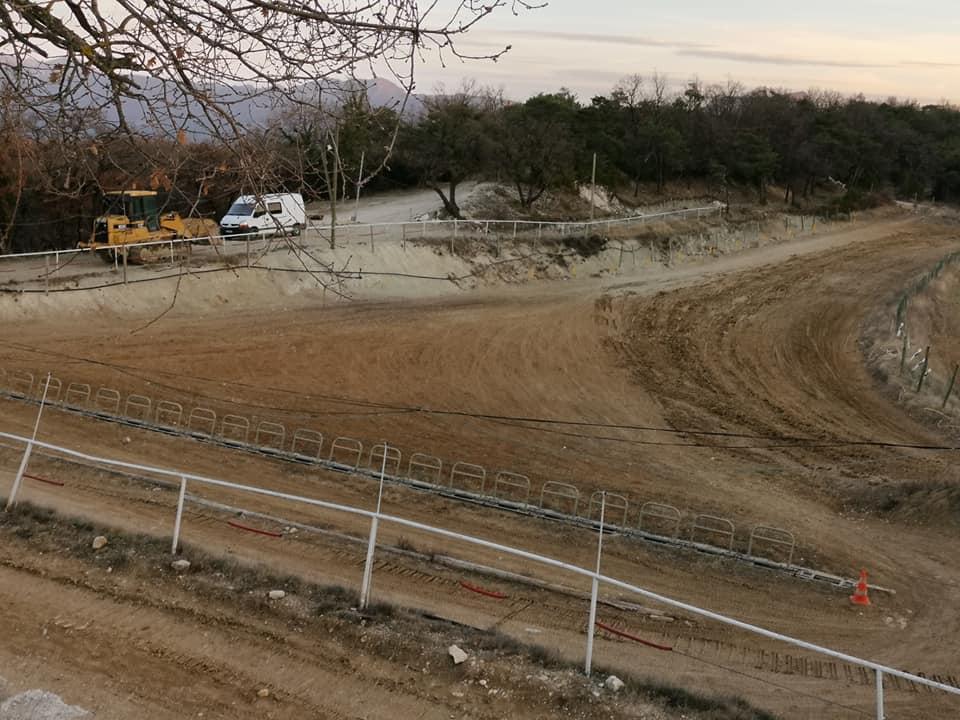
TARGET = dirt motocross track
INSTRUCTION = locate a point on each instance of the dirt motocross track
(762, 349)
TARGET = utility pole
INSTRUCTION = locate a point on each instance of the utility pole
(593, 185)
(356, 205)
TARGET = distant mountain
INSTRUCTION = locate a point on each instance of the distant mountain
(163, 108)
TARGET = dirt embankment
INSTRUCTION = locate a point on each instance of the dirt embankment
(911, 344)
(410, 261)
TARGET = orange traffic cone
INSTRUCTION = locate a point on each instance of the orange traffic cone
(859, 596)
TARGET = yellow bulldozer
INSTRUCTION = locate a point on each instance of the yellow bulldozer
(131, 217)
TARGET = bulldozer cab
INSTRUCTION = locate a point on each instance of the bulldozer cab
(135, 205)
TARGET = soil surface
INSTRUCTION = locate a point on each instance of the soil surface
(735, 387)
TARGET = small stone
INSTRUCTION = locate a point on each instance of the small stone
(180, 565)
(614, 683)
(36, 704)
(126, 440)
(458, 655)
(99, 542)
(263, 693)
(277, 594)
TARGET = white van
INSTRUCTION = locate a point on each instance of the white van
(267, 215)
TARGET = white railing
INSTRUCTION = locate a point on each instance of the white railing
(562, 228)
(595, 576)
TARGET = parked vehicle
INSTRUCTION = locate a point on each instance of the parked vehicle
(275, 214)
(131, 226)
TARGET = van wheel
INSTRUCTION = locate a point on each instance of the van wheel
(295, 231)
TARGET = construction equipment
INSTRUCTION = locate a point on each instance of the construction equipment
(131, 218)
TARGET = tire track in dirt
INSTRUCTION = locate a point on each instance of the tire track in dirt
(541, 351)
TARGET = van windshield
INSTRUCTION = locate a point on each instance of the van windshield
(242, 209)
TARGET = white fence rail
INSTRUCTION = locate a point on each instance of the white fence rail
(184, 478)
(416, 228)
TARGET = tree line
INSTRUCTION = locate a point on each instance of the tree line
(643, 134)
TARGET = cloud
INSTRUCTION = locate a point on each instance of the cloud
(921, 63)
(604, 39)
(761, 59)
(586, 74)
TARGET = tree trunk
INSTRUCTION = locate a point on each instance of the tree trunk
(453, 208)
(524, 198)
(449, 203)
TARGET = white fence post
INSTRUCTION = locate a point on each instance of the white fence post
(595, 591)
(372, 544)
(18, 478)
(880, 713)
(179, 518)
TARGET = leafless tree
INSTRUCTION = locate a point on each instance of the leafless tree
(214, 72)
(216, 67)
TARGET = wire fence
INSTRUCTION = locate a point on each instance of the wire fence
(370, 251)
(882, 674)
(916, 351)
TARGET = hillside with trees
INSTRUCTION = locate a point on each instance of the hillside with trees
(724, 137)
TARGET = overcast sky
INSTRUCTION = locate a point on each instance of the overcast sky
(879, 48)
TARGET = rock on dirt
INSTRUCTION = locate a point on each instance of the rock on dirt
(458, 655)
(614, 683)
(277, 594)
(180, 565)
(263, 693)
(39, 705)
(99, 542)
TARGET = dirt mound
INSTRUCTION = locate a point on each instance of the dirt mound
(917, 502)
(918, 317)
